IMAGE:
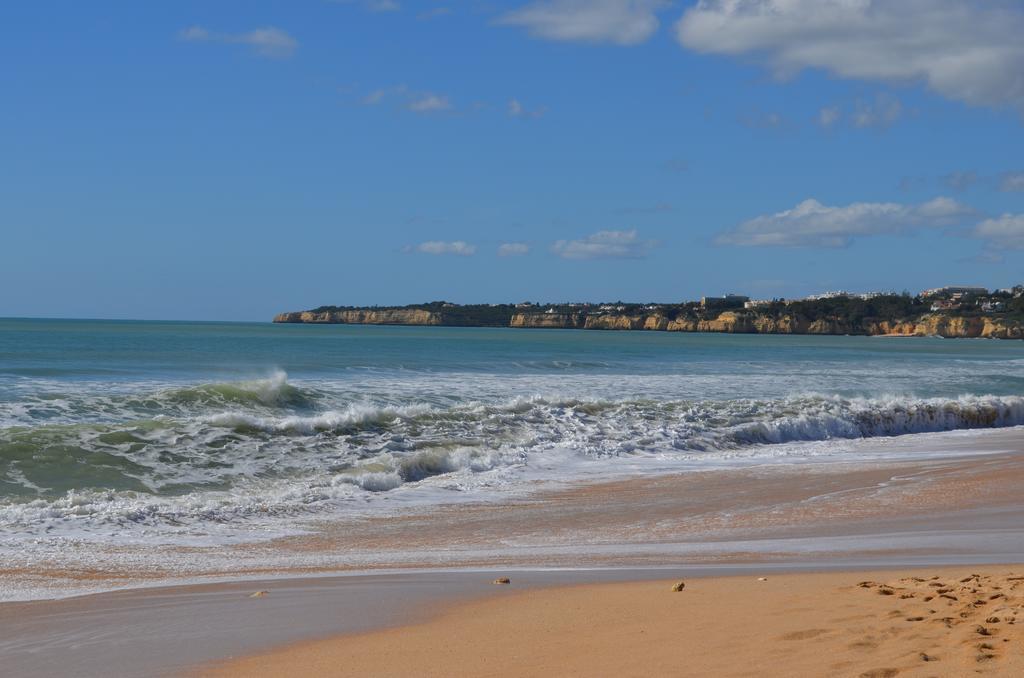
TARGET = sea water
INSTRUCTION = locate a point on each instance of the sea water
(199, 433)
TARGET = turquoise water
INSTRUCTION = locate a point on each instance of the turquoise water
(212, 429)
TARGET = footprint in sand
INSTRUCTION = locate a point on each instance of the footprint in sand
(805, 635)
(880, 673)
(868, 643)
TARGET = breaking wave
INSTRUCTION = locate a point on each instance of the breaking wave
(273, 391)
(216, 457)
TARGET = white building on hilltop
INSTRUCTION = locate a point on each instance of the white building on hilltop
(837, 294)
(955, 291)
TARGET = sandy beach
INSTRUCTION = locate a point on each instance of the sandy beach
(922, 622)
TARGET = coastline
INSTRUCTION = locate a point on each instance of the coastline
(685, 319)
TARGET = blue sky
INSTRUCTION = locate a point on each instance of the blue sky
(230, 160)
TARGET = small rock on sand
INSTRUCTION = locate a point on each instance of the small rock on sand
(762, 579)
(502, 580)
(679, 586)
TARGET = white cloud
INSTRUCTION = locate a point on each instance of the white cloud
(605, 245)
(620, 22)
(375, 97)
(403, 96)
(513, 249)
(516, 109)
(374, 5)
(268, 41)
(457, 247)
(828, 116)
(883, 112)
(1012, 182)
(194, 34)
(965, 50)
(811, 224)
(1006, 231)
(429, 103)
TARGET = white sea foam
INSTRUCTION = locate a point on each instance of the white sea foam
(354, 415)
(261, 456)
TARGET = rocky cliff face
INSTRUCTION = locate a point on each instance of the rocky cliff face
(730, 322)
(549, 320)
(396, 316)
(736, 322)
(615, 322)
(951, 326)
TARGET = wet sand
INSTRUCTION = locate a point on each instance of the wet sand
(923, 622)
(150, 632)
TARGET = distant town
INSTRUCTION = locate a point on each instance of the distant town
(948, 298)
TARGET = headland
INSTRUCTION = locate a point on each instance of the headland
(950, 312)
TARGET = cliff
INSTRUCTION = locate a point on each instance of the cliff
(737, 322)
(951, 327)
(395, 316)
(730, 322)
(548, 320)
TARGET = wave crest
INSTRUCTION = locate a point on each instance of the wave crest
(241, 464)
(274, 391)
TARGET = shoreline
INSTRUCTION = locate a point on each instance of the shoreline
(936, 496)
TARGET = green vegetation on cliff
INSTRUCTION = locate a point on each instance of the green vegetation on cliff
(455, 315)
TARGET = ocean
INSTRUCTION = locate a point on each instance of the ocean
(186, 433)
